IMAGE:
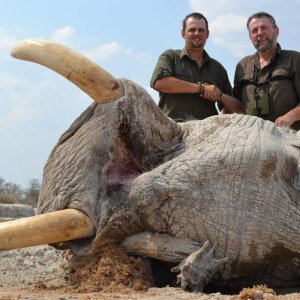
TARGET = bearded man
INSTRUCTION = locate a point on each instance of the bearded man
(268, 82)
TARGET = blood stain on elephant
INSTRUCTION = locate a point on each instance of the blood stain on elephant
(268, 167)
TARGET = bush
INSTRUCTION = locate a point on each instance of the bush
(11, 193)
(10, 198)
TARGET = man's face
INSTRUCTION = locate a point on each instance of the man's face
(263, 34)
(195, 33)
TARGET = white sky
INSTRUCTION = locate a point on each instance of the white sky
(123, 37)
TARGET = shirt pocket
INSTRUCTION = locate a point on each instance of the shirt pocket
(283, 90)
(282, 73)
(247, 83)
(183, 71)
(282, 82)
(247, 87)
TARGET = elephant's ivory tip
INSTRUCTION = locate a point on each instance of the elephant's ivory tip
(49, 228)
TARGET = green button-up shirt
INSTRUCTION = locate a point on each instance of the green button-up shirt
(177, 63)
(280, 80)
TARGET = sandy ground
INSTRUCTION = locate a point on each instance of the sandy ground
(43, 272)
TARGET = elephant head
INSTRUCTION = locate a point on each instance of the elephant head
(91, 170)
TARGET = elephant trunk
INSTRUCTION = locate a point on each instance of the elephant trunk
(59, 226)
(101, 86)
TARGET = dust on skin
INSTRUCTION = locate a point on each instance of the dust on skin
(268, 166)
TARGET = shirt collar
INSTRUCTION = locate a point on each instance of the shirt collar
(184, 52)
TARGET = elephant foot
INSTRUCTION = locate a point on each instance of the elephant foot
(198, 268)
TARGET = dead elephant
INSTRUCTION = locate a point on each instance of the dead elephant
(125, 173)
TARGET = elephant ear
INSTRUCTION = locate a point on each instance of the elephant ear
(88, 76)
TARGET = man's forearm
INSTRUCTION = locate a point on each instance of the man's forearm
(174, 85)
(295, 113)
(289, 118)
(231, 104)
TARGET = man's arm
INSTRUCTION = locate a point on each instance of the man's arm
(210, 92)
(172, 85)
(231, 104)
(289, 118)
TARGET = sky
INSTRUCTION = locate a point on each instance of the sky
(125, 37)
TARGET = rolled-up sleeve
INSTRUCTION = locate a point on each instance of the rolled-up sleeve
(164, 67)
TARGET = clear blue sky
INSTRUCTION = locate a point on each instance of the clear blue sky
(123, 37)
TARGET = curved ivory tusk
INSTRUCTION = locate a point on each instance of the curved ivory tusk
(53, 227)
(88, 76)
(160, 246)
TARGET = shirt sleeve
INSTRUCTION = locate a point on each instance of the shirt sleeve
(227, 88)
(237, 87)
(164, 66)
(296, 70)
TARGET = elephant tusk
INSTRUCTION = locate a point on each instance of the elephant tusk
(59, 226)
(101, 86)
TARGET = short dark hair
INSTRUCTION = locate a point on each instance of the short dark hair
(194, 15)
(259, 15)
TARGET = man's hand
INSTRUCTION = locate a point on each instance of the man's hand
(289, 118)
(284, 121)
(211, 92)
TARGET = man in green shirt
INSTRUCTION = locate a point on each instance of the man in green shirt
(189, 81)
(268, 82)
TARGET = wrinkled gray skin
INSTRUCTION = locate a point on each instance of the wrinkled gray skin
(229, 179)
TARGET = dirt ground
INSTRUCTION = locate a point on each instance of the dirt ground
(43, 272)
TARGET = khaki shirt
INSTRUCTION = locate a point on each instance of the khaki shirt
(177, 63)
(280, 80)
